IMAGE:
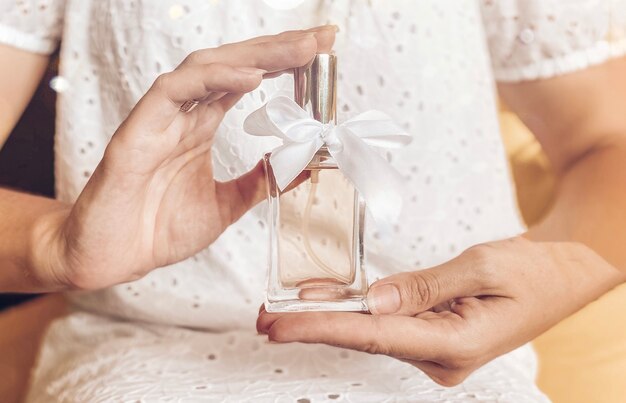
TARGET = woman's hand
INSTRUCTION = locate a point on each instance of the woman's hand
(451, 319)
(152, 200)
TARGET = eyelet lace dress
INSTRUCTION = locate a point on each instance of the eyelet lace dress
(186, 332)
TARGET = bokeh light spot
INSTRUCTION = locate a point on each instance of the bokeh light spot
(59, 84)
(176, 11)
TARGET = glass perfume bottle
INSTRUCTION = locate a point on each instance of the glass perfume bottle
(317, 222)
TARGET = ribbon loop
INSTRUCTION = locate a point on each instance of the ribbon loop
(349, 143)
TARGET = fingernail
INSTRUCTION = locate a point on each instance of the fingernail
(384, 299)
(251, 70)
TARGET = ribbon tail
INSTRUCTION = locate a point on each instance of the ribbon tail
(378, 183)
(378, 129)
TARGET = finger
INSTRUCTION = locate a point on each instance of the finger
(395, 336)
(325, 38)
(162, 102)
(200, 81)
(251, 52)
(239, 195)
(414, 292)
(321, 32)
(273, 56)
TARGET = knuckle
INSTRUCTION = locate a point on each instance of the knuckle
(278, 333)
(297, 52)
(460, 362)
(375, 344)
(198, 56)
(483, 261)
(265, 48)
(162, 81)
(214, 69)
(450, 378)
(421, 289)
(479, 252)
(521, 241)
(304, 51)
(114, 151)
(373, 348)
(164, 84)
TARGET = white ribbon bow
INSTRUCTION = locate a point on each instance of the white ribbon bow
(349, 143)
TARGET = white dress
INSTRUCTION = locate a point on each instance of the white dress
(186, 332)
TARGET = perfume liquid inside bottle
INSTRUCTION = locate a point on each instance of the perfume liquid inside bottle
(316, 231)
(316, 223)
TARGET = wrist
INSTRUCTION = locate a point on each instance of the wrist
(47, 250)
(589, 275)
(608, 276)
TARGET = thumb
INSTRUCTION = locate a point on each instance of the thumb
(414, 292)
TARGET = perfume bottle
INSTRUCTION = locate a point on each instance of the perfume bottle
(317, 222)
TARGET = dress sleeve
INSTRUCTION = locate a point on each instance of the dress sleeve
(535, 39)
(31, 25)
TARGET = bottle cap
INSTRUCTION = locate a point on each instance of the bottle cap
(315, 87)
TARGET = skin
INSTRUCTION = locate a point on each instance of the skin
(18, 82)
(451, 319)
(152, 200)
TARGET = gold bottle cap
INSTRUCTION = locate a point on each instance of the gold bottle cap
(315, 87)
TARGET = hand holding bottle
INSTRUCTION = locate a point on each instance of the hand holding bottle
(152, 200)
(451, 319)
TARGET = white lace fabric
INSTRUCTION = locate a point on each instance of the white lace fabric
(426, 63)
(540, 39)
(111, 361)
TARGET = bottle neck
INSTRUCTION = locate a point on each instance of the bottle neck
(315, 88)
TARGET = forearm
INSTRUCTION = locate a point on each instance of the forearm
(20, 72)
(20, 213)
(579, 120)
(27, 225)
(589, 209)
